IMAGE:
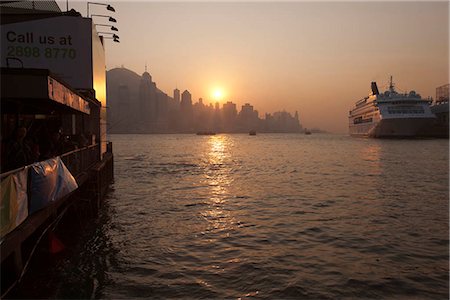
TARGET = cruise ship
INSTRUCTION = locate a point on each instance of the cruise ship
(391, 114)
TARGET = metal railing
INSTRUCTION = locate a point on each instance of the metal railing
(81, 160)
(76, 161)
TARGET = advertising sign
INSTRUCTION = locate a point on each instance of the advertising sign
(61, 44)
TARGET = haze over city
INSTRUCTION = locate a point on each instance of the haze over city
(315, 58)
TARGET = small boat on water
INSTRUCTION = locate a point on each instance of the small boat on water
(206, 133)
(252, 132)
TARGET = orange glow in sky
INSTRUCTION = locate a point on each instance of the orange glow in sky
(317, 58)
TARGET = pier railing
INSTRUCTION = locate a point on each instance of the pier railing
(81, 160)
(33, 187)
(76, 161)
(31, 199)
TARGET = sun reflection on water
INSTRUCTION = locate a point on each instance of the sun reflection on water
(218, 178)
(218, 146)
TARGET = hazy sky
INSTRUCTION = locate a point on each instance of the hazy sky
(314, 57)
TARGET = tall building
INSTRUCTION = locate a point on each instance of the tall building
(282, 121)
(176, 96)
(147, 103)
(186, 100)
(162, 110)
(229, 113)
(149, 108)
(186, 111)
(248, 118)
(121, 118)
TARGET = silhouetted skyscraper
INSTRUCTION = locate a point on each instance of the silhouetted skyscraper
(186, 111)
(122, 118)
(248, 118)
(148, 106)
(176, 96)
(229, 116)
(186, 100)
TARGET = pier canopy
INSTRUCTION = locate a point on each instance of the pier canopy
(37, 91)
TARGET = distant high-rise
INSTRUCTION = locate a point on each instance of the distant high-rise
(282, 121)
(229, 109)
(229, 116)
(247, 109)
(148, 106)
(121, 119)
(176, 96)
(186, 111)
(186, 99)
(248, 118)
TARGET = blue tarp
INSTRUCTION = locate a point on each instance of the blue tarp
(50, 181)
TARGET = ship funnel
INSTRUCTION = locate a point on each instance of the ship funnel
(374, 88)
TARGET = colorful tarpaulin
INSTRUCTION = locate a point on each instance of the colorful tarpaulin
(14, 201)
(50, 181)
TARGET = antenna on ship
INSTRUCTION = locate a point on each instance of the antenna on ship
(391, 85)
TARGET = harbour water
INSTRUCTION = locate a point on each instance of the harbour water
(266, 216)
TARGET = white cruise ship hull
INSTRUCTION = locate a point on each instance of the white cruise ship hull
(397, 128)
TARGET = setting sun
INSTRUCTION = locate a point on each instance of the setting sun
(218, 94)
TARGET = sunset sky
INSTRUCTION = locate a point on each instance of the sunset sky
(314, 57)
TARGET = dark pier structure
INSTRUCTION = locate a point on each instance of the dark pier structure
(55, 159)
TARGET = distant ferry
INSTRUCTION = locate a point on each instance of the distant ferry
(206, 133)
(391, 114)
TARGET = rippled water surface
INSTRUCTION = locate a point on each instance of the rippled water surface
(268, 216)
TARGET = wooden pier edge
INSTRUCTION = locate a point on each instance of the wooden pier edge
(94, 183)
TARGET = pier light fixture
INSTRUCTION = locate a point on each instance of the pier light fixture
(111, 19)
(115, 36)
(108, 7)
(115, 39)
(112, 28)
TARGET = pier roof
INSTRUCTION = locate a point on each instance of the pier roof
(37, 91)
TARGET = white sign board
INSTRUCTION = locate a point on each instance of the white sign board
(61, 44)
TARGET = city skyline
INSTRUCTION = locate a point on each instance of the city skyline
(137, 105)
(317, 58)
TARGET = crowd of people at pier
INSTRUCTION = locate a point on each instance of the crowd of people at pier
(37, 143)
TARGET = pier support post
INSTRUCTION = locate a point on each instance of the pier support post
(18, 263)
